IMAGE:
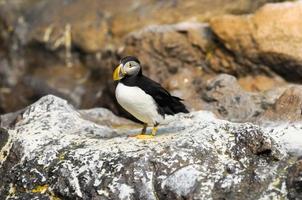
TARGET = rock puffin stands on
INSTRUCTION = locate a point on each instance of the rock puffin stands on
(55, 152)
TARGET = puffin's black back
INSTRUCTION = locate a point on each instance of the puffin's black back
(167, 104)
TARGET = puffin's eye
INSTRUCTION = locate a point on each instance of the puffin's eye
(130, 65)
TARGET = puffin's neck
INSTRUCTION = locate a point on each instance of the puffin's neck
(131, 80)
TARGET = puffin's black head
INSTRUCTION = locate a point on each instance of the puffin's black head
(129, 66)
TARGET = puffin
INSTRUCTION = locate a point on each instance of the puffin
(143, 98)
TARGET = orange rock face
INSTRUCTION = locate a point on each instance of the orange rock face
(272, 36)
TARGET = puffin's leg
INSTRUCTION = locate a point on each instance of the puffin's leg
(154, 129)
(144, 129)
(143, 133)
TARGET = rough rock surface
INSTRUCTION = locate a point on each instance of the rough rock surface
(272, 36)
(53, 152)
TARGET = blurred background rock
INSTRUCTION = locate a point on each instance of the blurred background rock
(233, 57)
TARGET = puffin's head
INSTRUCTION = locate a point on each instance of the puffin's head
(129, 66)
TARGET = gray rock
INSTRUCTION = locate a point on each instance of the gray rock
(55, 152)
(105, 117)
(225, 97)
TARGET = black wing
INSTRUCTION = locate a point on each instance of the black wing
(167, 103)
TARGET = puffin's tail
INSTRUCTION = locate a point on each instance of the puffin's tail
(177, 106)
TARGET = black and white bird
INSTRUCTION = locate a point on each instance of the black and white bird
(142, 97)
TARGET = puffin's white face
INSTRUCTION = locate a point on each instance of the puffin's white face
(130, 68)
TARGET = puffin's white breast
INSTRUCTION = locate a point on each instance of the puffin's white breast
(138, 103)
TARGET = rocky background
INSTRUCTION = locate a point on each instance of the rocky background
(241, 60)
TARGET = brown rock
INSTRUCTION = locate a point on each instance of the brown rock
(287, 108)
(93, 26)
(260, 83)
(182, 45)
(83, 85)
(58, 24)
(183, 56)
(272, 37)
